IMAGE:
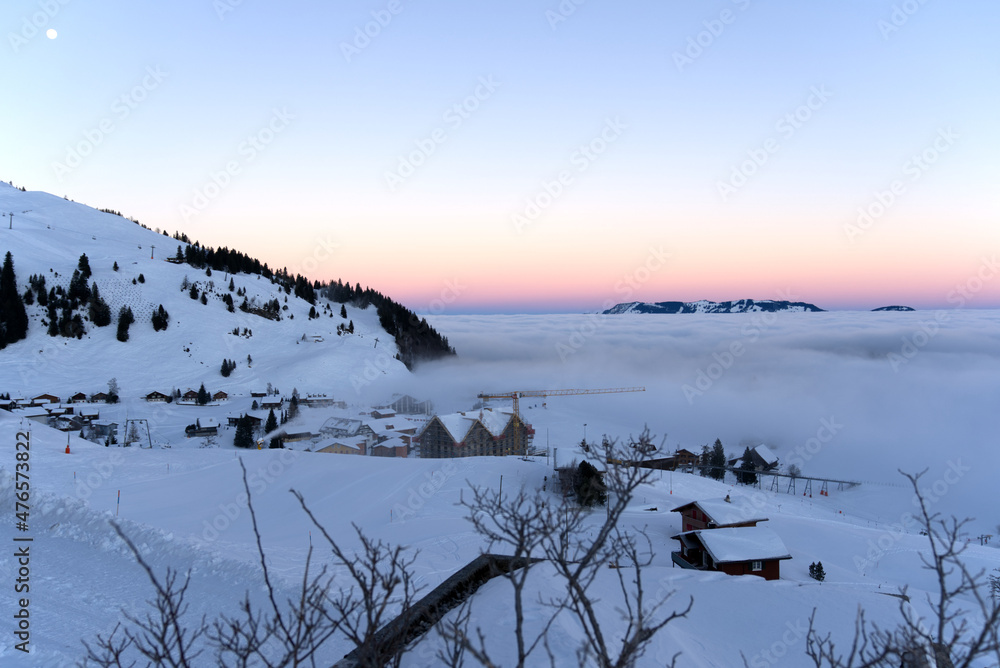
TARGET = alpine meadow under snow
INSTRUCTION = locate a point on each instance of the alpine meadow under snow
(843, 395)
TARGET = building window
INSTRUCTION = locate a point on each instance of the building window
(756, 566)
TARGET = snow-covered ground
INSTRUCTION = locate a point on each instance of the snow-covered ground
(184, 508)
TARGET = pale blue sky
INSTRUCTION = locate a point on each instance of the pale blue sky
(686, 129)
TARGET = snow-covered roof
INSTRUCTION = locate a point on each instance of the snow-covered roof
(741, 544)
(725, 513)
(494, 421)
(457, 424)
(766, 454)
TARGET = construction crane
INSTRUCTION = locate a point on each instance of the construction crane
(516, 395)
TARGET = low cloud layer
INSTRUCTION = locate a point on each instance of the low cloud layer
(847, 395)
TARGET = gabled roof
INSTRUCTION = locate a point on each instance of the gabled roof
(765, 453)
(724, 513)
(459, 424)
(739, 544)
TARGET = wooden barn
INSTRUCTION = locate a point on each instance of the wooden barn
(734, 551)
(716, 514)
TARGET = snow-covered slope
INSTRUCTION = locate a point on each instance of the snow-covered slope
(49, 239)
(184, 509)
(705, 306)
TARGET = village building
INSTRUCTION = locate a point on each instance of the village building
(157, 396)
(407, 405)
(220, 396)
(190, 395)
(43, 399)
(761, 458)
(681, 459)
(486, 433)
(99, 398)
(202, 427)
(78, 398)
(734, 551)
(717, 513)
(340, 447)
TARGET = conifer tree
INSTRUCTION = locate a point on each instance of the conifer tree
(125, 318)
(244, 433)
(203, 395)
(98, 309)
(83, 266)
(13, 316)
(271, 423)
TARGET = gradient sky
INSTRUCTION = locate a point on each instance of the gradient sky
(136, 106)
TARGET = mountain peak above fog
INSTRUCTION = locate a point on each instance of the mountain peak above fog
(705, 306)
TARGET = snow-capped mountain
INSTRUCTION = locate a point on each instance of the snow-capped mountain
(705, 306)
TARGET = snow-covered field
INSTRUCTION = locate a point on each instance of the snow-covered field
(184, 508)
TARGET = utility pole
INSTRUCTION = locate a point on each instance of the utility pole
(152, 252)
(11, 214)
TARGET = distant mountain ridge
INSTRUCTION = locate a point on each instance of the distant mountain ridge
(705, 306)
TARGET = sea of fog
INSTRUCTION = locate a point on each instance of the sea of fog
(845, 395)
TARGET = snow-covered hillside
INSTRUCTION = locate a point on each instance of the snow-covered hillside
(185, 509)
(48, 240)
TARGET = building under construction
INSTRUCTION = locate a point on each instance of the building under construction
(483, 433)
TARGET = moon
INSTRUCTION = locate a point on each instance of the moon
(51, 33)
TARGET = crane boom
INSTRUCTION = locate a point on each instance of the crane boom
(518, 394)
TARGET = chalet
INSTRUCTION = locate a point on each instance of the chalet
(43, 399)
(734, 551)
(274, 402)
(317, 400)
(258, 395)
(8, 404)
(103, 429)
(78, 398)
(717, 513)
(99, 398)
(338, 447)
(220, 396)
(392, 447)
(486, 433)
(158, 396)
(67, 423)
(255, 420)
(380, 414)
(407, 405)
(761, 457)
(206, 427)
(190, 395)
(88, 415)
(347, 428)
(681, 459)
